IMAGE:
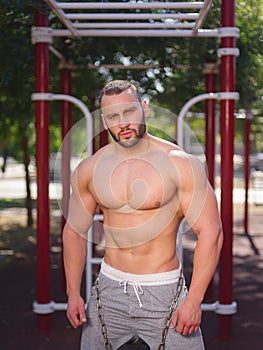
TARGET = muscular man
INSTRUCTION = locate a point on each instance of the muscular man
(144, 186)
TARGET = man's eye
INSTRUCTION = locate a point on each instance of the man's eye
(112, 116)
(129, 111)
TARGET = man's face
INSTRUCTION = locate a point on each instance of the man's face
(124, 117)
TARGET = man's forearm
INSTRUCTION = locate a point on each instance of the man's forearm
(74, 254)
(206, 257)
(187, 317)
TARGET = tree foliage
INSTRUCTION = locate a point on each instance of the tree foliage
(165, 83)
(16, 74)
(250, 62)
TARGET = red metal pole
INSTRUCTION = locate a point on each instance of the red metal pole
(227, 153)
(247, 166)
(210, 109)
(66, 124)
(42, 159)
(104, 139)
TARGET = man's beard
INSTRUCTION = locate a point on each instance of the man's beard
(132, 141)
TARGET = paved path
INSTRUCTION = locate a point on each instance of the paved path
(15, 187)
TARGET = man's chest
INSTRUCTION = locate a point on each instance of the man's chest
(135, 183)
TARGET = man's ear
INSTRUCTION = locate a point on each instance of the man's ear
(103, 121)
(145, 107)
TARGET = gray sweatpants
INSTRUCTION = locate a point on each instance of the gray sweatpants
(135, 306)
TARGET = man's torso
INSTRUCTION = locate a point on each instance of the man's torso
(139, 199)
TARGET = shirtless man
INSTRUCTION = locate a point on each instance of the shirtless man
(144, 186)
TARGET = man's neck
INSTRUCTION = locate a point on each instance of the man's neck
(141, 147)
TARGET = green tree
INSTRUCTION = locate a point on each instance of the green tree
(250, 67)
(16, 84)
(164, 83)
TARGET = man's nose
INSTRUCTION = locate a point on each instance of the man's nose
(123, 122)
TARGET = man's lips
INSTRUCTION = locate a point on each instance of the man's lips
(127, 133)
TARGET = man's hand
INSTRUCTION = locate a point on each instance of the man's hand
(76, 311)
(187, 318)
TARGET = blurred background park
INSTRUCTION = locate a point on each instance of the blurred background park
(173, 72)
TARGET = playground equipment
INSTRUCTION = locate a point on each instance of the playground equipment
(79, 25)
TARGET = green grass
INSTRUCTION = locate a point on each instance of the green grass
(6, 203)
(13, 203)
(15, 236)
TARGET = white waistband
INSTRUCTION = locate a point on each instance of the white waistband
(146, 279)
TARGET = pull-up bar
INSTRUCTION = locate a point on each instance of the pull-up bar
(203, 33)
(79, 104)
(127, 5)
(209, 96)
(131, 16)
(227, 36)
(131, 25)
(165, 12)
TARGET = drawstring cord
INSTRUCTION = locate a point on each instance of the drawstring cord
(136, 287)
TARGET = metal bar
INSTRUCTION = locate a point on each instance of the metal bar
(247, 167)
(202, 15)
(141, 66)
(42, 159)
(76, 102)
(56, 306)
(210, 121)
(66, 124)
(227, 153)
(210, 107)
(91, 260)
(89, 263)
(129, 5)
(130, 25)
(61, 15)
(86, 112)
(207, 96)
(130, 16)
(204, 33)
(185, 109)
(56, 52)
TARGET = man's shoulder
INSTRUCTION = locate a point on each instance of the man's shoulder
(164, 144)
(188, 167)
(88, 164)
(180, 155)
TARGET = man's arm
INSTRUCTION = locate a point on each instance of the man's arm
(82, 207)
(199, 206)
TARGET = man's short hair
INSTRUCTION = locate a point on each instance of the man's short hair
(116, 87)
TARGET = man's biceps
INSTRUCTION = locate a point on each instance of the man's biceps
(80, 225)
(83, 203)
(194, 211)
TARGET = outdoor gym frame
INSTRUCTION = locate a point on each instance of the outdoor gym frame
(169, 25)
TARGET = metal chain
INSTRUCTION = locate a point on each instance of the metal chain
(173, 306)
(168, 320)
(107, 345)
